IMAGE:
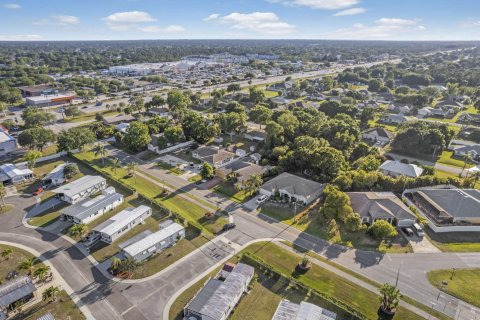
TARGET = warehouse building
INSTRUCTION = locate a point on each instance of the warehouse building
(80, 189)
(119, 224)
(88, 209)
(151, 243)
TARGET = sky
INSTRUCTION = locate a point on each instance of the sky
(239, 19)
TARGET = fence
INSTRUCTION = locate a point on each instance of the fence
(170, 149)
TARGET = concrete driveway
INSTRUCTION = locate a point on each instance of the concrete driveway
(251, 204)
(40, 208)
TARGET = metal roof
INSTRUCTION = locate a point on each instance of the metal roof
(287, 310)
(121, 219)
(12, 171)
(87, 207)
(47, 316)
(152, 239)
(15, 290)
(216, 297)
(80, 185)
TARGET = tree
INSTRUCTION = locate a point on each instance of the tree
(290, 125)
(28, 264)
(260, 114)
(8, 124)
(131, 169)
(34, 117)
(368, 163)
(2, 195)
(42, 273)
(75, 138)
(70, 170)
(101, 151)
(207, 171)
(174, 134)
(274, 134)
(253, 183)
(116, 163)
(51, 294)
(467, 159)
(390, 298)
(136, 137)
(78, 230)
(382, 229)
(116, 263)
(336, 204)
(31, 157)
(72, 111)
(7, 253)
(178, 103)
(128, 265)
(422, 137)
(375, 85)
(353, 222)
(233, 87)
(37, 138)
(232, 122)
(157, 124)
(196, 127)
(256, 95)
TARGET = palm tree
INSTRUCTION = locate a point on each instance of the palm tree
(116, 263)
(475, 175)
(389, 299)
(6, 253)
(28, 264)
(253, 183)
(101, 151)
(50, 293)
(42, 273)
(78, 230)
(115, 165)
(131, 167)
(128, 265)
(467, 159)
(2, 195)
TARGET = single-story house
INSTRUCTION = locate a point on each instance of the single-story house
(241, 169)
(7, 142)
(456, 143)
(214, 156)
(378, 134)
(256, 157)
(162, 112)
(473, 150)
(288, 310)
(470, 118)
(122, 127)
(89, 209)
(152, 243)
(20, 289)
(13, 174)
(216, 300)
(447, 206)
(280, 100)
(425, 112)
(293, 188)
(80, 189)
(121, 118)
(395, 119)
(396, 168)
(121, 223)
(449, 103)
(373, 206)
(255, 135)
(55, 177)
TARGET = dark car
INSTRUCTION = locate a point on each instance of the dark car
(228, 226)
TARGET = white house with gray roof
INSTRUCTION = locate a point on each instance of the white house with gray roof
(14, 174)
(121, 223)
(396, 168)
(288, 310)
(473, 150)
(80, 189)
(378, 134)
(216, 300)
(152, 243)
(293, 188)
(89, 209)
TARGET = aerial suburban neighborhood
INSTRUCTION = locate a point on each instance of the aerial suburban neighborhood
(283, 160)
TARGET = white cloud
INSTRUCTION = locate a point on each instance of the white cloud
(384, 28)
(20, 37)
(350, 12)
(319, 4)
(211, 17)
(58, 20)
(122, 21)
(260, 22)
(11, 6)
(169, 29)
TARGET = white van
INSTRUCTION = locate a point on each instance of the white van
(418, 230)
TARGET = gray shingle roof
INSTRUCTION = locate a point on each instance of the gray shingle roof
(409, 170)
(456, 203)
(15, 290)
(293, 184)
(381, 132)
(379, 205)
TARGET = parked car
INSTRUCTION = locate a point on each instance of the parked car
(408, 231)
(84, 107)
(418, 230)
(229, 226)
(38, 192)
(261, 199)
(98, 104)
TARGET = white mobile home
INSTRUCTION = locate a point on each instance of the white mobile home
(56, 177)
(88, 210)
(152, 243)
(13, 174)
(80, 189)
(121, 223)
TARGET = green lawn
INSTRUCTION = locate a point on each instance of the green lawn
(18, 255)
(6, 208)
(310, 221)
(447, 158)
(455, 242)
(176, 171)
(445, 174)
(196, 178)
(465, 284)
(47, 217)
(228, 189)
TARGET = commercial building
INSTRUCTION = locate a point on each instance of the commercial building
(287, 310)
(292, 188)
(216, 300)
(373, 206)
(151, 243)
(458, 209)
(20, 289)
(88, 209)
(35, 91)
(49, 100)
(80, 189)
(7, 142)
(110, 230)
(13, 174)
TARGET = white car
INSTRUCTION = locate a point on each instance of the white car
(261, 199)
